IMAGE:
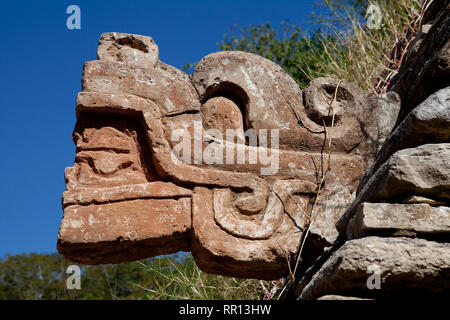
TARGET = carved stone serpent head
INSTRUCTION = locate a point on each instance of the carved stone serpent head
(228, 163)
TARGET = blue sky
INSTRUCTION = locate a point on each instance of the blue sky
(41, 63)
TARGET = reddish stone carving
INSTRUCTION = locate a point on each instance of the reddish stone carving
(132, 194)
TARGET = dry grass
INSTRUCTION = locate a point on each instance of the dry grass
(369, 58)
(186, 281)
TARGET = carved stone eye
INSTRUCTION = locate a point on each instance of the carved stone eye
(328, 99)
(222, 113)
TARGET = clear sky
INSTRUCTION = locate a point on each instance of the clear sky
(41, 63)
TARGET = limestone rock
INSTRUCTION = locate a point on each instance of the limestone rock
(427, 123)
(132, 49)
(403, 264)
(425, 68)
(423, 170)
(220, 113)
(270, 99)
(258, 83)
(174, 93)
(404, 195)
(381, 118)
(329, 101)
(371, 218)
(220, 252)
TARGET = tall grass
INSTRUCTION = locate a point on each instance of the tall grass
(184, 280)
(369, 57)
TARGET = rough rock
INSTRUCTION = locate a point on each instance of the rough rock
(417, 171)
(381, 118)
(333, 102)
(217, 251)
(397, 228)
(426, 66)
(172, 92)
(270, 99)
(321, 103)
(151, 178)
(259, 84)
(220, 113)
(125, 231)
(371, 218)
(130, 49)
(403, 264)
(427, 123)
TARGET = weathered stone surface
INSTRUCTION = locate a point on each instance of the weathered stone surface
(327, 96)
(426, 66)
(381, 118)
(217, 251)
(420, 218)
(427, 123)
(404, 265)
(220, 113)
(320, 103)
(423, 170)
(405, 193)
(125, 231)
(131, 49)
(257, 82)
(270, 99)
(108, 153)
(172, 92)
(238, 218)
(155, 190)
(376, 115)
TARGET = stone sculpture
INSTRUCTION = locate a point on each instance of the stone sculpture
(160, 166)
(237, 165)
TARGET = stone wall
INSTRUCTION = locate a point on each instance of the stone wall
(394, 238)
